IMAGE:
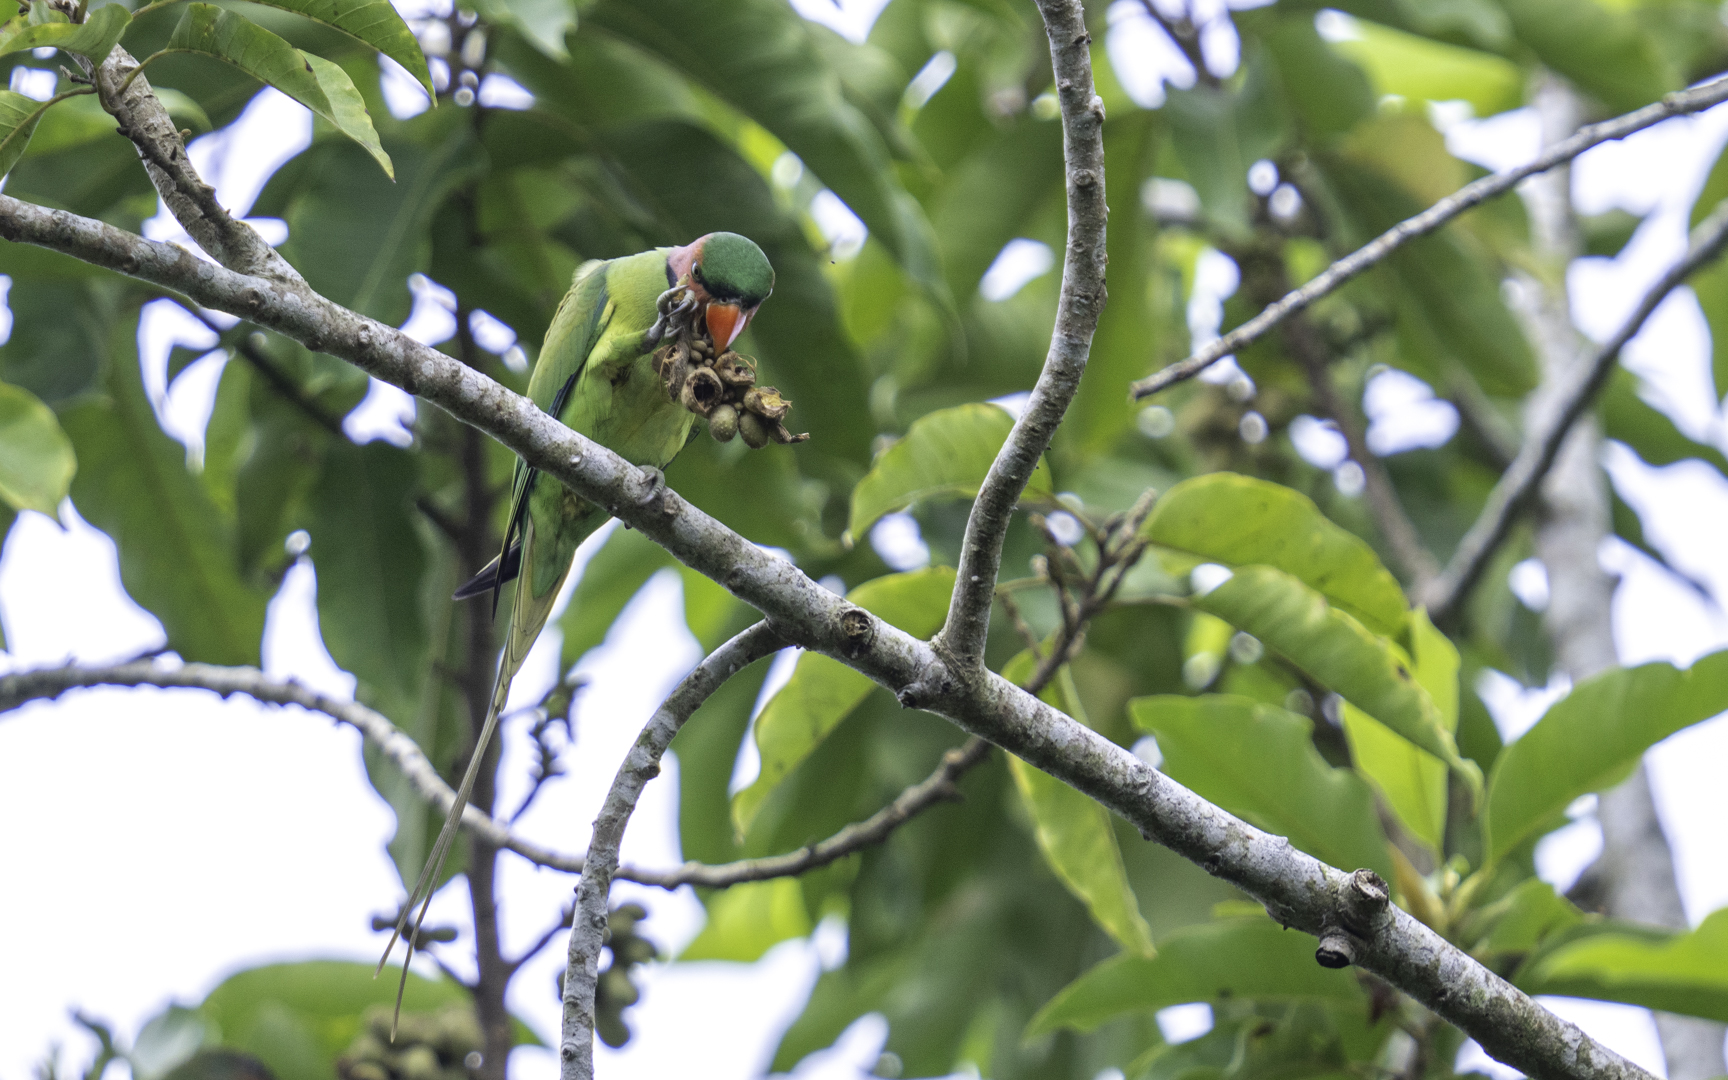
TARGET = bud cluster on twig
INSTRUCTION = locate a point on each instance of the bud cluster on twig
(722, 390)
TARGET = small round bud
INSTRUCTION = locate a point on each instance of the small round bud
(754, 431)
(723, 423)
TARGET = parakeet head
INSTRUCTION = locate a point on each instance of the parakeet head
(730, 276)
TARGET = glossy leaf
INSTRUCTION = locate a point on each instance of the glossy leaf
(348, 110)
(1591, 739)
(1412, 781)
(1603, 48)
(1413, 66)
(374, 23)
(746, 920)
(18, 119)
(355, 235)
(1258, 762)
(823, 691)
(92, 39)
(316, 83)
(370, 565)
(1218, 133)
(36, 458)
(298, 1018)
(177, 550)
(760, 56)
(1646, 429)
(1231, 959)
(1523, 919)
(1074, 831)
(1687, 973)
(1366, 670)
(1236, 520)
(946, 454)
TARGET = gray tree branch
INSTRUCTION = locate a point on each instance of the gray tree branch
(1679, 103)
(1077, 311)
(1519, 485)
(641, 764)
(144, 120)
(1303, 892)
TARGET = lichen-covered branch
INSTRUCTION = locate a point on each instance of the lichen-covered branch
(126, 94)
(1679, 103)
(641, 764)
(1521, 482)
(1077, 311)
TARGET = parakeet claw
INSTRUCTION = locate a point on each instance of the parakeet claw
(655, 481)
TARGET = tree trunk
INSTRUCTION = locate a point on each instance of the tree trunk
(1635, 873)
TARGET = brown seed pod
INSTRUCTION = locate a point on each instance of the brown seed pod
(702, 391)
(671, 364)
(766, 402)
(735, 370)
(723, 423)
(754, 431)
(780, 435)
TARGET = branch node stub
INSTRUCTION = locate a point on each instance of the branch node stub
(1336, 950)
(857, 634)
(1364, 899)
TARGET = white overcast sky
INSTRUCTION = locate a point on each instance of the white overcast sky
(158, 841)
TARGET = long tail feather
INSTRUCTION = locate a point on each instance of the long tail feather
(424, 888)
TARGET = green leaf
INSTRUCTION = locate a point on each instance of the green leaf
(375, 23)
(1687, 973)
(1412, 780)
(36, 458)
(1236, 520)
(1590, 740)
(370, 565)
(1648, 430)
(348, 110)
(1074, 831)
(762, 58)
(1424, 69)
(1601, 48)
(1365, 669)
(1228, 960)
(18, 118)
(356, 235)
(614, 575)
(1523, 919)
(1444, 290)
(322, 87)
(822, 690)
(298, 1018)
(1259, 762)
(1218, 133)
(177, 550)
(945, 454)
(92, 39)
(746, 920)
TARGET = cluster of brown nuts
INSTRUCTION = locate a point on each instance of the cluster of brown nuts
(442, 1045)
(722, 390)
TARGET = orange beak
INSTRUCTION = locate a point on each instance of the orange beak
(725, 323)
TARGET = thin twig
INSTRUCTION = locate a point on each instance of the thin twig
(641, 764)
(1077, 311)
(1676, 104)
(1513, 494)
(391, 741)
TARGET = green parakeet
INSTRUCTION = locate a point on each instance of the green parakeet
(595, 375)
